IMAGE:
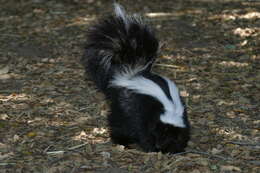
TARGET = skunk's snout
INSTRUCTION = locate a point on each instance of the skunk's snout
(170, 139)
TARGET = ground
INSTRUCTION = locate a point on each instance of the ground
(53, 120)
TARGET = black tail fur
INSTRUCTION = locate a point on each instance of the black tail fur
(118, 41)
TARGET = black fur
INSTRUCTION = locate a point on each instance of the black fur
(135, 45)
(134, 117)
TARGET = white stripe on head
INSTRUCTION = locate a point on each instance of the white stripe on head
(173, 109)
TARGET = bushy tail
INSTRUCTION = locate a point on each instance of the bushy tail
(116, 43)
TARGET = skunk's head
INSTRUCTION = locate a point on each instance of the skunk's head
(169, 138)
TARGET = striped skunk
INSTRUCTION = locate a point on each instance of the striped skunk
(146, 108)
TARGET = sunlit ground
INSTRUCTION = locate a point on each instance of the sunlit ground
(53, 119)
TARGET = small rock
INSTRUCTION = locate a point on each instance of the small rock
(215, 151)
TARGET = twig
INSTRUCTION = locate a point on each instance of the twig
(46, 149)
(243, 143)
(167, 65)
(82, 109)
(55, 152)
(6, 164)
(211, 155)
(12, 35)
(69, 149)
(77, 146)
(203, 153)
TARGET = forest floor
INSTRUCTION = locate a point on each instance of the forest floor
(53, 120)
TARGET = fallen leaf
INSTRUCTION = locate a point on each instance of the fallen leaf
(31, 134)
(230, 168)
(16, 138)
(214, 167)
(3, 116)
(82, 120)
(203, 162)
(195, 171)
(5, 156)
(215, 151)
(4, 70)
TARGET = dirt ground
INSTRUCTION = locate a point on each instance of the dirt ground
(53, 120)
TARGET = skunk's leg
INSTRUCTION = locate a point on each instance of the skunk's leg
(147, 143)
(121, 139)
(119, 133)
(118, 136)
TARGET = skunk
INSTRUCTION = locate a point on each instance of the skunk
(146, 108)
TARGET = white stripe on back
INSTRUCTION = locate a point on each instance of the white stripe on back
(173, 109)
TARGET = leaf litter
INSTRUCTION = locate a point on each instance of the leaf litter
(52, 118)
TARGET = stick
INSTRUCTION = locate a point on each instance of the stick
(211, 155)
(6, 164)
(55, 152)
(203, 153)
(69, 149)
(77, 146)
(242, 143)
(167, 65)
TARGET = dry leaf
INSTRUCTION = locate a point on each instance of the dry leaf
(31, 134)
(16, 138)
(203, 162)
(195, 171)
(215, 151)
(4, 70)
(3, 116)
(5, 156)
(230, 168)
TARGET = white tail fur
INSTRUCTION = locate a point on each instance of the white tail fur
(120, 12)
